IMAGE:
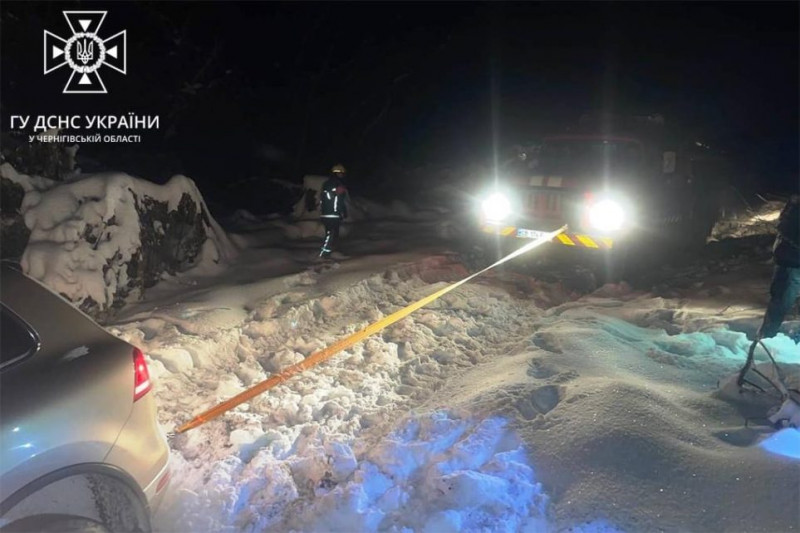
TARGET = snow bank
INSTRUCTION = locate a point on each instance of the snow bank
(103, 239)
(762, 220)
(299, 458)
(617, 400)
(436, 472)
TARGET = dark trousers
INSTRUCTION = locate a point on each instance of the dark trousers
(783, 293)
(331, 235)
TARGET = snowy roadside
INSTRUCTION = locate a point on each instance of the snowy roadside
(330, 412)
(509, 405)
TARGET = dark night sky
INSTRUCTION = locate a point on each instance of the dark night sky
(287, 89)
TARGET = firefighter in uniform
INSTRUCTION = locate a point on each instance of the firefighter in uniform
(333, 208)
(785, 287)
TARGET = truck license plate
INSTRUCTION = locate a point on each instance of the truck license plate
(530, 233)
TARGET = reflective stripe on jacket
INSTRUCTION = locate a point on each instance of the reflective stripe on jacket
(333, 199)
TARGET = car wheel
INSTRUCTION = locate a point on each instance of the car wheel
(56, 523)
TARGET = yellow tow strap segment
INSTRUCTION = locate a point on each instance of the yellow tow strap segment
(320, 356)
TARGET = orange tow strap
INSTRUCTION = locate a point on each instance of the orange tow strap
(320, 356)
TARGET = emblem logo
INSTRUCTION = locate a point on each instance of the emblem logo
(84, 52)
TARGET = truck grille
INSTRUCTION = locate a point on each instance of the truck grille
(544, 204)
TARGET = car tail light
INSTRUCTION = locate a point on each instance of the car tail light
(141, 376)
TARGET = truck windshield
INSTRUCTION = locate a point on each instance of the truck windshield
(589, 157)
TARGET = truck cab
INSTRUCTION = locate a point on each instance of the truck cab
(617, 184)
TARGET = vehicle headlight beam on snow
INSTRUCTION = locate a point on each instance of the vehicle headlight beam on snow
(328, 352)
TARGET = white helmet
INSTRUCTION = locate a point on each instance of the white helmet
(338, 169)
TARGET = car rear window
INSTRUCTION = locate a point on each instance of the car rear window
(16, 339)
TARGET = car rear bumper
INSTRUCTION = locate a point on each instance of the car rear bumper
(141, 450)
(155, 491)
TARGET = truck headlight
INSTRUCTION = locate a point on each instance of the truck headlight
(607, 215)
(496, 206)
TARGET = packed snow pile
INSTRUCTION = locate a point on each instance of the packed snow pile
(618, 402)
(760, 220)
(434, 473)
(102, 240)
(326, 449)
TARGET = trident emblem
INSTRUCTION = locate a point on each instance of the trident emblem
(84, 52)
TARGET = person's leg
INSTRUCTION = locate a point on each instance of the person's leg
(327, 247)
(783, 292)
(334, 244)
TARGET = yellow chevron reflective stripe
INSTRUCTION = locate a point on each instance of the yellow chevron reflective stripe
(507, 230)
(564, 238)
(586, 241)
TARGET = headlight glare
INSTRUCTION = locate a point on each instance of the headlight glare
(496, 206)
(607, 215)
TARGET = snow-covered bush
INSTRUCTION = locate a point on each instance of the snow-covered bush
(307, 207)
(14, 234)
(52, 160)
(13, 188)
(760, 220)
(102, 240)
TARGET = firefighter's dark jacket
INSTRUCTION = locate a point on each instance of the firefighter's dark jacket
(786, 251)
(333, 199)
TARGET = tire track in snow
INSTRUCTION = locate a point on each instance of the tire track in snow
(360, 391)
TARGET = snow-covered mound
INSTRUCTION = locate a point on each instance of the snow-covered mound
(105, 238)
(617, 399)
(761, 220)
(434, 473)
(307, 208)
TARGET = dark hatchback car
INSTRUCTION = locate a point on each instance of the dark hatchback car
(80, 446)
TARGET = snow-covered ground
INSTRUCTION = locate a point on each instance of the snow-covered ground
(511, 404)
